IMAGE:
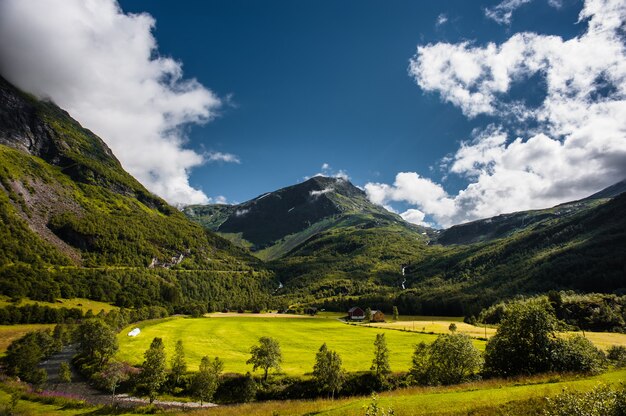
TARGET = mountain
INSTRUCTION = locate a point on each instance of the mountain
(508, 224)
(322, 238)
(278, 223)
(74, 223)
(576, 246)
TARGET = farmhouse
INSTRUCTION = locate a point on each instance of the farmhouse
(377, 316)
(355, 313)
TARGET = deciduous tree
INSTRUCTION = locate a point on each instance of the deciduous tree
(380, 363)
(206, 380)
(327, 371)
(153, 372)
(179, 365)
(266, 355)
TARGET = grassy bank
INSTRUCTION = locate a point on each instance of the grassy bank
(473, 398)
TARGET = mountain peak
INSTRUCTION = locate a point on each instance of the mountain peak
(271, 217)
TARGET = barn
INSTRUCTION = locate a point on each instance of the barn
(377, 316)
(356, 314)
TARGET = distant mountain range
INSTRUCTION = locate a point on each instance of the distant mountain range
(325, 239)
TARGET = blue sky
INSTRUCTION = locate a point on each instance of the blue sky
(316, 82)
(442, 111)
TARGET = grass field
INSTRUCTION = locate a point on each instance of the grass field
(230, 338)
(9, 333)
(84, 304)
(482, 398)
(439, 325)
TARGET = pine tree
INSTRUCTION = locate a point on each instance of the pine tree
(153, 374)
(380, 363)
(395, 313)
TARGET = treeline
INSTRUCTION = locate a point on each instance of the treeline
(43, 314)
(590, 311)
(129, 287)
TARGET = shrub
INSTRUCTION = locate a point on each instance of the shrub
(617, 355)
(524, 342)
(601, 401)
(578, 354)
(450, 359)
(236, 388)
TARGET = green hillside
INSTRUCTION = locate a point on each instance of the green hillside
(74, 223)
(583, 252)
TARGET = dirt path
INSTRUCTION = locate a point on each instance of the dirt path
(79, 388)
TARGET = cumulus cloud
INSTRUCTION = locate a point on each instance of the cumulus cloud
(577, 145)
(414, 216)
(222, 157)
(103, 66)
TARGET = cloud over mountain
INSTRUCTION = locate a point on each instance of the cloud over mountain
(103, 66)
(527, 156)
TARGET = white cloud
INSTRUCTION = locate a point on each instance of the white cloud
(103, 67)
(503, 12)
(315, 193)
(414, 216)
(220, 199)
(222, 157)
(578, 145)
(329, 172)
(441, 19)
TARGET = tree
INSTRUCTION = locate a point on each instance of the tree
(266, 355)
(368, 314)
(153, 374)
(97, 342)
(380, 363)
(452, 327)
(113, 374)
(395, 313)
(525, 341)
(327, 370)
(450, 359)
(179, 365)
(24, 354)
(206, 380)
(65, 373)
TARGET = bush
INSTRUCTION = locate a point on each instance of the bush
(450, 359)
(236, 388)
(617, 355)
(578, 354)
(601, 401)
(525, 341)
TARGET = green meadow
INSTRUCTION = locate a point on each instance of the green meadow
(80, 303)
(230, 338)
